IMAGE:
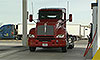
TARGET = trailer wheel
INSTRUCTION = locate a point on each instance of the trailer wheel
(64, 49)
(32, 49)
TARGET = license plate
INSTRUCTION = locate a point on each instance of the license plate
(44, 44)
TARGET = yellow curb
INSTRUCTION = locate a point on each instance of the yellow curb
(97, 55)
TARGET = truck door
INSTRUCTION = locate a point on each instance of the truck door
(13, 31)
(3, 31)
(6, 31)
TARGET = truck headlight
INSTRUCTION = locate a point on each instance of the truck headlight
(60, 36)
(31, 36)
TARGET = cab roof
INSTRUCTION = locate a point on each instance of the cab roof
(53, 9)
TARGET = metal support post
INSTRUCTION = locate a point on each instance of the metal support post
(80, 32)
(98, 24)
(95, 21)
(24, 10)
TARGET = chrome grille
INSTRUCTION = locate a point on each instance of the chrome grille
(45, 30)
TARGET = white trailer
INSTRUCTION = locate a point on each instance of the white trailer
(20, 31)
(74, 30)
(78, 31)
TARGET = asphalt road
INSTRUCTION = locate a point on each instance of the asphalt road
(15, 51)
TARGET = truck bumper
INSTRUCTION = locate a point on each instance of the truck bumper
(51, 43)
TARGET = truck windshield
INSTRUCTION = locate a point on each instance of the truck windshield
(50, 15)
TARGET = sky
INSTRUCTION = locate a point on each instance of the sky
(11, 10)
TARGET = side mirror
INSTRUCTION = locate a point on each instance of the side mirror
(70, 17)
(31, 18)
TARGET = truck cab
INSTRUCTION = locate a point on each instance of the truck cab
(50, 31)
(7, 31)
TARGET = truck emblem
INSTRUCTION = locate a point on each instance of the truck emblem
(45, 27)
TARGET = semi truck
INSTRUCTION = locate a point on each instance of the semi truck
(13, 31)
(7, 31)
(50, 30)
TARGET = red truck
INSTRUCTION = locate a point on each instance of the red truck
(50, 31)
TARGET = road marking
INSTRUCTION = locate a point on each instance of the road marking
(7, 53)
(10, 44)
(12, 40)
(12, 52)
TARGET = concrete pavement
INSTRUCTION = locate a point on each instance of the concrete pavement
(23, 53)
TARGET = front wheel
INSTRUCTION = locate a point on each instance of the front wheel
(64, 49)
(32, 49)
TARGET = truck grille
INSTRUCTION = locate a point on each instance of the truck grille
(45, 39)
(45, 30)
(45, 36)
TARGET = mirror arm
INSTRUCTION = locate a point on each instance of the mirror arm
(34, 21)
(67, 20)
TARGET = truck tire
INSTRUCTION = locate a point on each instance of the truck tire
(19, 37)
(32, 49)
(71, 46)
(76, 38)
(64, 49)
